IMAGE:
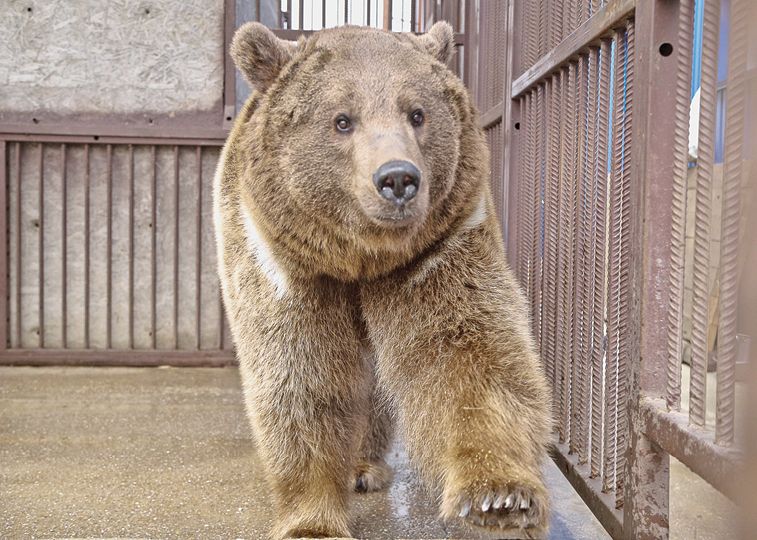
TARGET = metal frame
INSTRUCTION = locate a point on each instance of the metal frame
(555, 234)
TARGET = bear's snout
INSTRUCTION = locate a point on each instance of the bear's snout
(397, 181)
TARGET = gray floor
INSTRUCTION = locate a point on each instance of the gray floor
(166, 453)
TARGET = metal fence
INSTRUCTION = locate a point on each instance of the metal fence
(590, 165)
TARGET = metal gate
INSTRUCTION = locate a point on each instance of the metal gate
(586, 106)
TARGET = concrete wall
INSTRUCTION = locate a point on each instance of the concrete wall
(111, 56)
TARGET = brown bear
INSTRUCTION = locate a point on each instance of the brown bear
(365, 282)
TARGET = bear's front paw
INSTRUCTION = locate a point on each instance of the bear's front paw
(514, 505)
(372, 476)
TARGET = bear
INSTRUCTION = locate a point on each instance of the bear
(366, 286)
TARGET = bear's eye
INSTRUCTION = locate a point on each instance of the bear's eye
(416, 118)
(343, 123)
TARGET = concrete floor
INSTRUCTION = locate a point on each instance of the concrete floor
(166, 453)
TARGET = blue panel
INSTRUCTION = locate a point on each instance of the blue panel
(696, 64)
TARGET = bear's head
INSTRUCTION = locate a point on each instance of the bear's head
(357, 130)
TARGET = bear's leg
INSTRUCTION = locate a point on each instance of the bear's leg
(454, 352)
(372, 473)
(306, 389)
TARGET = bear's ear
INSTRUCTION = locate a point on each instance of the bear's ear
(439, 41)
(259, 54)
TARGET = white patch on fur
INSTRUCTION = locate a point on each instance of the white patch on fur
(263, 255)
(428, 266)
(478, 216)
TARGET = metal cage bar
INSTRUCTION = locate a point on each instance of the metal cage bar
(735, 113)
(703, 216)
(678, 226)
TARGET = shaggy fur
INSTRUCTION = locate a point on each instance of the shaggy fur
(347, 310)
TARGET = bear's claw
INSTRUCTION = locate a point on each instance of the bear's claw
(505, 507)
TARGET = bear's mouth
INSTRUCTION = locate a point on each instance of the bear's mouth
(400, 217)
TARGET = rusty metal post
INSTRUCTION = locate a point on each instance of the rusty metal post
(471, 47)
(388, 15)
(678, 226)
(652, 171)
(4, 282)
(514, 143)
(700, 316)
(729, 258)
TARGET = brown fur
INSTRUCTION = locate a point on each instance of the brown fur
(347, 311)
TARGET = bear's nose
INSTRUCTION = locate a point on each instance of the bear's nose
(397, 181)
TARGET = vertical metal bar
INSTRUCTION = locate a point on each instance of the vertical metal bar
(484, 88)
(64, 247)
(153, 250)
(575, 322)
(565, 257)
(589, 209)
(323, 14)
(302, 14)
(516, 253)
(584, 11)
(229, 72)
(41, 246)
(368, 13)
(595, 5)
(413, 16)
(176, 247)
(524, 193)
(569, 19)
(534, 277)
(529, 201)
(109, 248)
(131, 246)
(346, 11)
(531, 34)
(729, 254)
(598, 249)
(587, 82)
(703, 215)
(221, 321)
(557, 9)
(678, 226)
(509, 149)
(529, 185)
(625, 313)
(542, 26)
(616, 295)
(18, 246)
(388, 15)
(198, 261)
(87, 182)
(4, 270)
(551, 230)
